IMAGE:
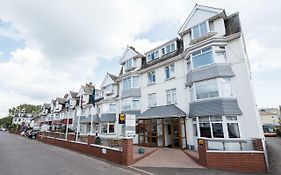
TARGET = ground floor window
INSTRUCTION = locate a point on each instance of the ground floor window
(107, 127)
(104, 128)
(216, 127)
(111, 127)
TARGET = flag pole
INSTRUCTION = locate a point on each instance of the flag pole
(93, 105)
(67, 121)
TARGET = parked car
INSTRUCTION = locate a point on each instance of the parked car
(31, 134)
(3, 129)
(269, 130)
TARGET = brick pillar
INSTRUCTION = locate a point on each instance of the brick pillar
(91, 139)
(127, 151)
(257, 143)
(202, 150)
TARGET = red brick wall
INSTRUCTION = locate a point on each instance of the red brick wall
(233, 161)
(124, 157)
(241, 162)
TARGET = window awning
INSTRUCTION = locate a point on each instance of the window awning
(108, 117)
(88, 119)
(166, 111)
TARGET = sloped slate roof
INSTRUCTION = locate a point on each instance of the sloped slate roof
(108, 117)
(134, 112)
(165, 111)
(47, 105)
(73, 94)
(88, 90)
(61, 100)
(217, 106)
(113, 77)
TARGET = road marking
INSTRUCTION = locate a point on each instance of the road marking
(141, 170)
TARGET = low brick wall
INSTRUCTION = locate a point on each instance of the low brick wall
(240, 161)
(124, 156)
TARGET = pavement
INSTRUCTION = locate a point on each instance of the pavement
(167, 157)
(274, 154)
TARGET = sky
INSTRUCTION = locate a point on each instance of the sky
(50, 47)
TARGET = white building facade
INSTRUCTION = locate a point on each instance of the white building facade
(196, 85)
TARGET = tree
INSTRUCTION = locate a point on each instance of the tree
(25, 108)
(6, 121)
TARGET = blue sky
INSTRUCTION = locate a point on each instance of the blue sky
(48, 48)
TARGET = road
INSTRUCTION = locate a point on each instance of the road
(274, 154)
(19, 156)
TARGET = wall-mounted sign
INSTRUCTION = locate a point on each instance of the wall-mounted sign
(122, 118)
(130, 125)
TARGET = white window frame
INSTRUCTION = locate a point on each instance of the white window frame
(133, 64)
(201, 52)
(171, 72)
(198, 25)
(192, 87)
(171, 92)
(149, 99)
(224, 125)
(149, 76)
(112, 107)
(130, 78)
(164, 48)
(129, 102)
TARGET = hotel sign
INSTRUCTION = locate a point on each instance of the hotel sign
(130, 125)
(122, 118)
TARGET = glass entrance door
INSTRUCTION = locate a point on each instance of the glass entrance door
(176, 136)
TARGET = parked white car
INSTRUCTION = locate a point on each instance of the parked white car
(3, 129)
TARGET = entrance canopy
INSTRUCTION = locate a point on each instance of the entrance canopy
(110, 117)
(166, 111)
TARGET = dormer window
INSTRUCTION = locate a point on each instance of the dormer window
(108, 89)
(152, 56)
(200, 30)
(130, 64)
(169, 48)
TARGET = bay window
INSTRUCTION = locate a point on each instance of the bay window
(216, 127)
(130, 82)
(207, 89)
(219, 87)
(171, 96)
(202, 57)
(132, 103)
(232, 127)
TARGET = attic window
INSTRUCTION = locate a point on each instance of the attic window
(200, 30)
(153, 55)
(129, 64)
